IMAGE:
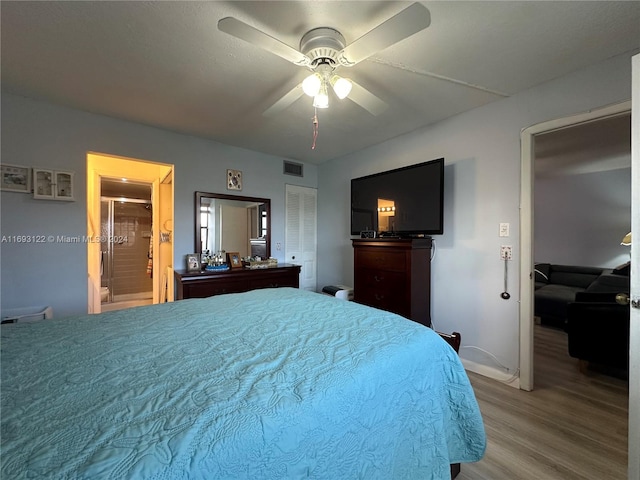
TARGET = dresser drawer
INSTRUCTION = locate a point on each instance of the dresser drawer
(392, 301)
(381, 259)
(208, 289)
(372, 278)
(274, 281)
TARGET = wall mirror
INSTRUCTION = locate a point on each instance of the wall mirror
(233, 224)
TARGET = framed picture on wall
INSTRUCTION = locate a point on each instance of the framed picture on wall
(234, 179)
(234, 260)
(193, 262)
(15, 178)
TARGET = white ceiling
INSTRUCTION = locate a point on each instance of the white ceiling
(167, 65)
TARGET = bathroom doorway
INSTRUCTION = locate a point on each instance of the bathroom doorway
(126, 244)
(130, 216)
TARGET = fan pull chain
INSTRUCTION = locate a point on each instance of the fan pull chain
(315, 129)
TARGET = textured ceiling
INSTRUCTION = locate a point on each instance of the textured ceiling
(167, 65)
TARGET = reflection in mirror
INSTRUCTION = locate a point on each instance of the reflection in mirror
(233, 224)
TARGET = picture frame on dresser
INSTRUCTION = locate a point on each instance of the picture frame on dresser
(193, 262)
(234, 260)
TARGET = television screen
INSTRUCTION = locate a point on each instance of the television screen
(405, 202)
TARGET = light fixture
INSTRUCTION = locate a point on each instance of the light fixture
(321, 100)
(341, 86)
(626, 241)
(311, 85)
(316, 85)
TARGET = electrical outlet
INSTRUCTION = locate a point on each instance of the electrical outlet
(278, 246)
(505, 252)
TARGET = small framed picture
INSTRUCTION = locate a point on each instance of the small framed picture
(234, 260)
(15, 178)
(193, 262)
(234, 180)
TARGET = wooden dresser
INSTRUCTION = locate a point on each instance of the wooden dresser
(394, 275)
(206, 284)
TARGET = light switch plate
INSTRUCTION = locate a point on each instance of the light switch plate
(504, 229)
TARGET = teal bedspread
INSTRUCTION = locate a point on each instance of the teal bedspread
(269, 384)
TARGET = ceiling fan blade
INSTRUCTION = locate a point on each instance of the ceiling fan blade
(366, 99)
(252, 35)
(290, 97)
(409, 21)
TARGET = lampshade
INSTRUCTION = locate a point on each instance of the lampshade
(311, 85)
(341, 86)
(626, 240)
(321, 100)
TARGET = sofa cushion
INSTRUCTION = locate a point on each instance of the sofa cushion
(551, 301)
(573, 276)
(609, 282)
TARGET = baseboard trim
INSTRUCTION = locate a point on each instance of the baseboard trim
(491, 372)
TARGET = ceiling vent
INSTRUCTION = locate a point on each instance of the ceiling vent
(291, 168)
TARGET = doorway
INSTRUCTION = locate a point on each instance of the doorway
(528, 137)
(126, 245)
(130, 216)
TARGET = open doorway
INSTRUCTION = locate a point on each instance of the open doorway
(527, 258)
(130, 216)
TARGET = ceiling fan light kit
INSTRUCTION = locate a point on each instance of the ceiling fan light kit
(315, 85)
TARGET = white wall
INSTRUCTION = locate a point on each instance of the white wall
(36, 133)
(580, 219)
(482, 181)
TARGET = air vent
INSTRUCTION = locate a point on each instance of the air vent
(291, 168)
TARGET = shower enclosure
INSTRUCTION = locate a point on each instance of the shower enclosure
(126, 242)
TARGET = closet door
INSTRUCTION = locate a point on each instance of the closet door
(301, 240)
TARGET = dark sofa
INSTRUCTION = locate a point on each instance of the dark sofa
(581, 300)
(557, 285)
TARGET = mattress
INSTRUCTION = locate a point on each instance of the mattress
(268, 384)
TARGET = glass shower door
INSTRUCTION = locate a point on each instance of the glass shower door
(126, 274)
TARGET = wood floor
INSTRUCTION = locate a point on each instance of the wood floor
(571, 426)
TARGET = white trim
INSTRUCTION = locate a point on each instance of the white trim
(634, 338)
(526, 224)
(491, 372)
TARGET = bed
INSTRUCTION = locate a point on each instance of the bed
(268, 384)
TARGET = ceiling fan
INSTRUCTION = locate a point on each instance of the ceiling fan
(323, 50)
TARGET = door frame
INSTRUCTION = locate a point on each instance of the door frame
(160, 176)
(527, 177)
(634, 314)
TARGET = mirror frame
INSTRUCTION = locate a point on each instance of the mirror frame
(223, 196)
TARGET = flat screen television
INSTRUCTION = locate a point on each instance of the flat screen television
(405, 202)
